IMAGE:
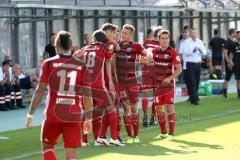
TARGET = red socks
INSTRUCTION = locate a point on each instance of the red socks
(104, 126)
(118, 125)
(128, 125)
(96, 124)
(113, 124)
(145, 104)
(162, 122)
(171, 121)
(49, 154)
(135, 123)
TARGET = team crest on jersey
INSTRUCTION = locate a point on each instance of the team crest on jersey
(166, 56)
(178, 58)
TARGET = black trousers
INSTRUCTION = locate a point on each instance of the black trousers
(192, 79)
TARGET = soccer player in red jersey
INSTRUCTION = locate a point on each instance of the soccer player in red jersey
(149, 44)
(98, 56)
(167, 67)
(126, 60)
(63, 76)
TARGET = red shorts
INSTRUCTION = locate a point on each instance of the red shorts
(128, 93)
(102, 97)
(164, 97)
(71, 133)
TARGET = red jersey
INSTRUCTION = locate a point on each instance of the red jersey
(126, 62)
(164, 63)
(64, 76)
(151, 44)
(94, 56)
(148, 77)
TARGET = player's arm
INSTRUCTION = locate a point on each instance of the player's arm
(177, 72)
(114, 69)
(88, 108)
(109, 74)
(37, 97)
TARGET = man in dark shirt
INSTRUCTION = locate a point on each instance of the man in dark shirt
(228, 56)
(49, 50)
(236, 62)
(217, 45)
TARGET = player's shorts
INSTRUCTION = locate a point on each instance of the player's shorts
(71, 133)
(228, 72)
(164, 96)
(127, 92)
(217, 60)
(102, 97)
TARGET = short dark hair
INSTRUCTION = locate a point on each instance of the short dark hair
(5, 63)
(99, 36)
(149, 31)
(108, 26)
(185, 27)
(231, 31)
(215, 31)
(52, 34)
(64, 40)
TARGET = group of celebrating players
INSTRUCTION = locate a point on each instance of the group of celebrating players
(87, 87)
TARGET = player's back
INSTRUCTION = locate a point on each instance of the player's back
(64, 76)
(94, 57)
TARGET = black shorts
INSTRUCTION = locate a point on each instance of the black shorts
(25, 83)
(228, 72)
(217, 61)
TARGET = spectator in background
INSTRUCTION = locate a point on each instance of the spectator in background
(217, 45)
(150, 35)
(49, 50)
(87, 39)
(185, 36)
(193, 49)
(4, 79)
(185, 28)
(236, 62)
(228, 55)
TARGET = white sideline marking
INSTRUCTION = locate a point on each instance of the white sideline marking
(142, 130)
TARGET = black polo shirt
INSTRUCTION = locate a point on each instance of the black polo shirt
(217, 44)
(50, 49)
(230, 46)
(236, 54)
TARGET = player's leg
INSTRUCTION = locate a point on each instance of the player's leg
(171, 120)
(3, 106)
(238, 89)
(49, 137)
(153, 115)
(135, 122)
(128, 120)
(71, 139)
(118, 124)
(226, 80)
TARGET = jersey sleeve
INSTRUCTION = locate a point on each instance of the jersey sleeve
(44, 72)
(176, 58)
(139, 48)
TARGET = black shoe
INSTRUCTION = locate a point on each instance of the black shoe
(151, 121)
(12, 107)
(224, 96)
(4, 108)
(21, 106)
(145, 120)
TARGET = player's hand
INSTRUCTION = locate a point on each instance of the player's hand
(167, 80)
(29, 122)
(87, 126)
(112, 89)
